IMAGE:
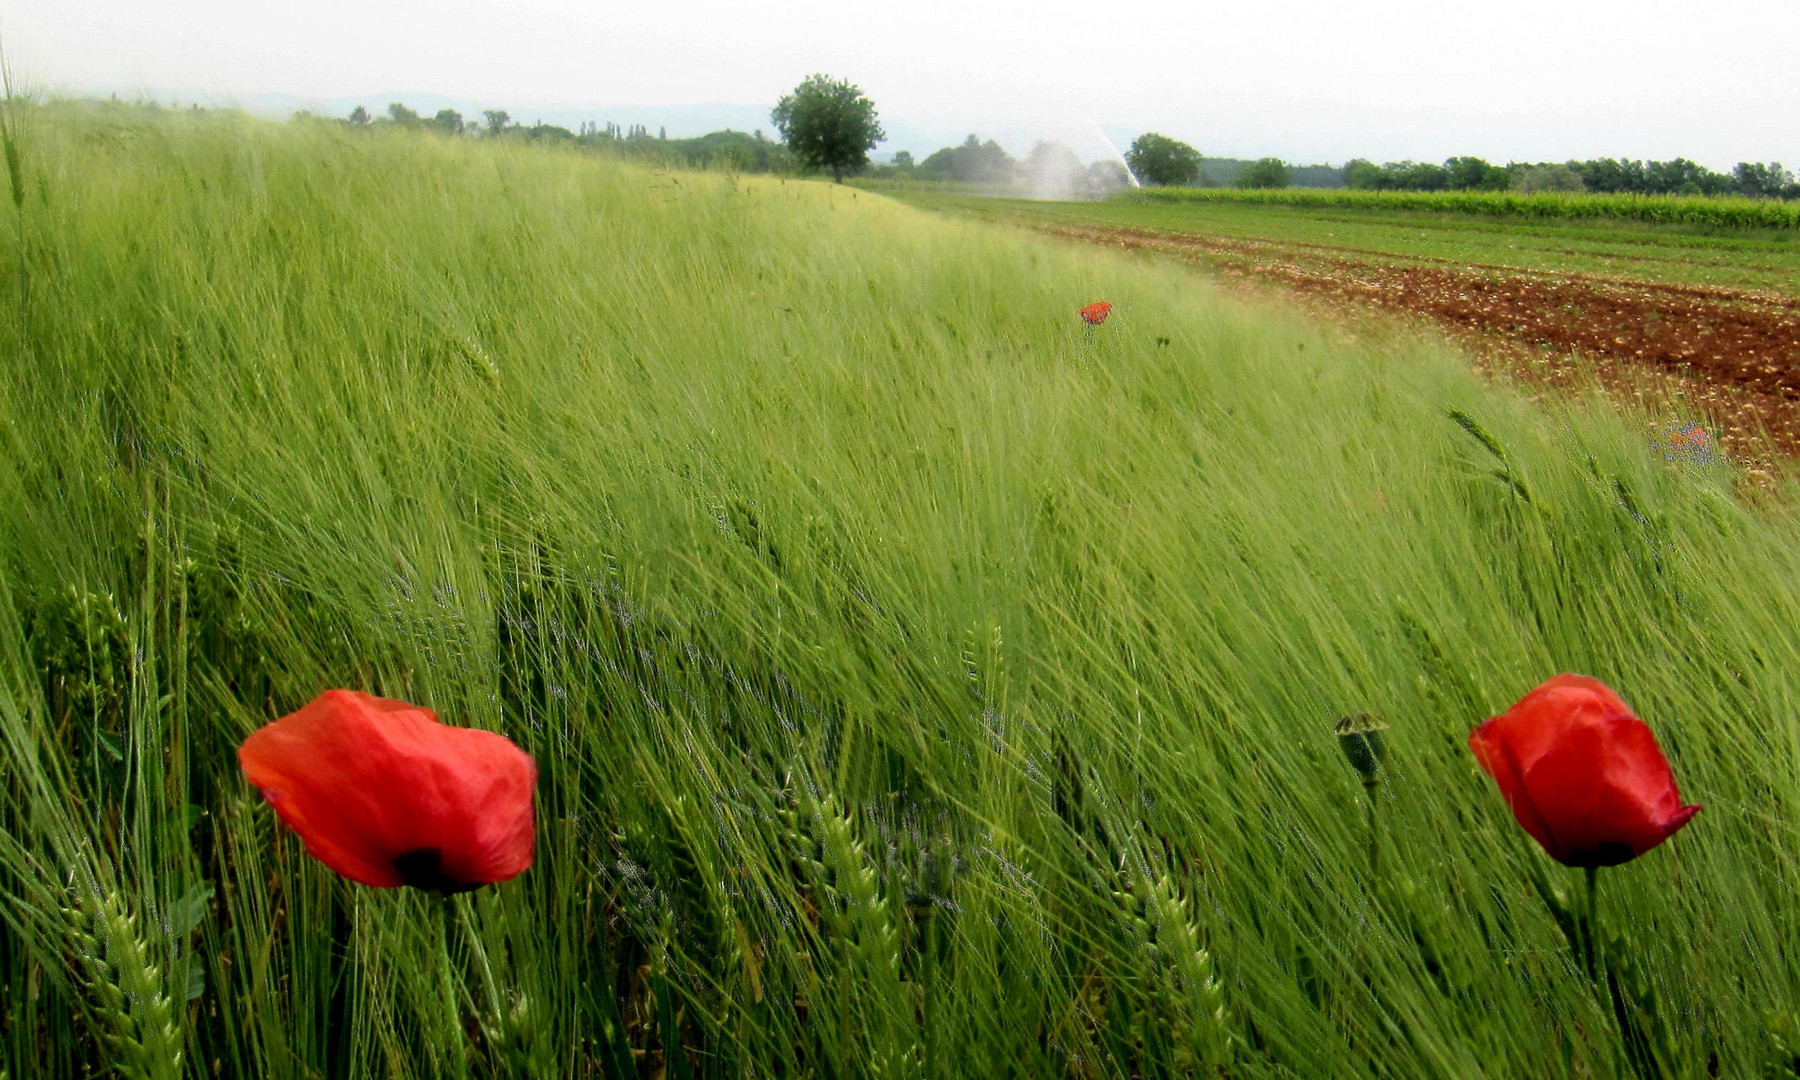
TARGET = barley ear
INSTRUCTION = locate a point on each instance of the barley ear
(130, 1003)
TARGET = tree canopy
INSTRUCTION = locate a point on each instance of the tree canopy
(1475, 174)
(448, 121)
(1611, 175)
(1269, 172)
(974, 162)
(1158, 159)
(1537, 178)
(1770, 181)
(828, 124)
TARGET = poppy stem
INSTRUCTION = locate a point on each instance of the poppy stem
(930, 983)
(1592, 922)
(1374, 834)
(463, 904)
(459, 1062)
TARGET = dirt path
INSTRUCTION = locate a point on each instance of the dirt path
(1735, 353)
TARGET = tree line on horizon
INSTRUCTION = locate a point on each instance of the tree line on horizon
(1051, 169)
(1611, 176)
(735, 150)
(1159, 160)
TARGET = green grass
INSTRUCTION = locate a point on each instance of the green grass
(921, 684)
(1303, 232)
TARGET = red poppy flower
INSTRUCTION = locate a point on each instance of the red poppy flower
(384, 794)
(1582, 774)
(1095, 314)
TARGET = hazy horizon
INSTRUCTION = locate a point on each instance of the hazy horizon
(1302, 80)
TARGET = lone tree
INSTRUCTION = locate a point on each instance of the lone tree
(1158, 159)
(828, 124)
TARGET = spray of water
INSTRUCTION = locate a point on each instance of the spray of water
(1070, 158)
(1120, 158)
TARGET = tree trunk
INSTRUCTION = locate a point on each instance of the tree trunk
(837, 173)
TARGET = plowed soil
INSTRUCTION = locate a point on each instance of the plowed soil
(1733, 353)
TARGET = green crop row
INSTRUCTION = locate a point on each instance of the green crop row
(1726, 213)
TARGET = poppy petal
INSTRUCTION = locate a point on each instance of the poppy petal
(372, 785)
(1581, 773)
(1493, 754)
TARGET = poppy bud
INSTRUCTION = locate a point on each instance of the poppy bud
(1360, 737)
(1582, 774)
(384, 794)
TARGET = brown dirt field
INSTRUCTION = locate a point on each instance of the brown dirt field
(1732, 354)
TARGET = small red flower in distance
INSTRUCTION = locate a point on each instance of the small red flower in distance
(1582, 774)
(384, 794)
(1095, 314)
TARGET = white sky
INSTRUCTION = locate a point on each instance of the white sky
(1307, 80)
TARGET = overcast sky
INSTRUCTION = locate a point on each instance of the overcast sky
(1307, 80)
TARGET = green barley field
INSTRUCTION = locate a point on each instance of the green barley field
(922, 684)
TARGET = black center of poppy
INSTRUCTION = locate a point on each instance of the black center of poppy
(423, 868)
(1610, 853)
